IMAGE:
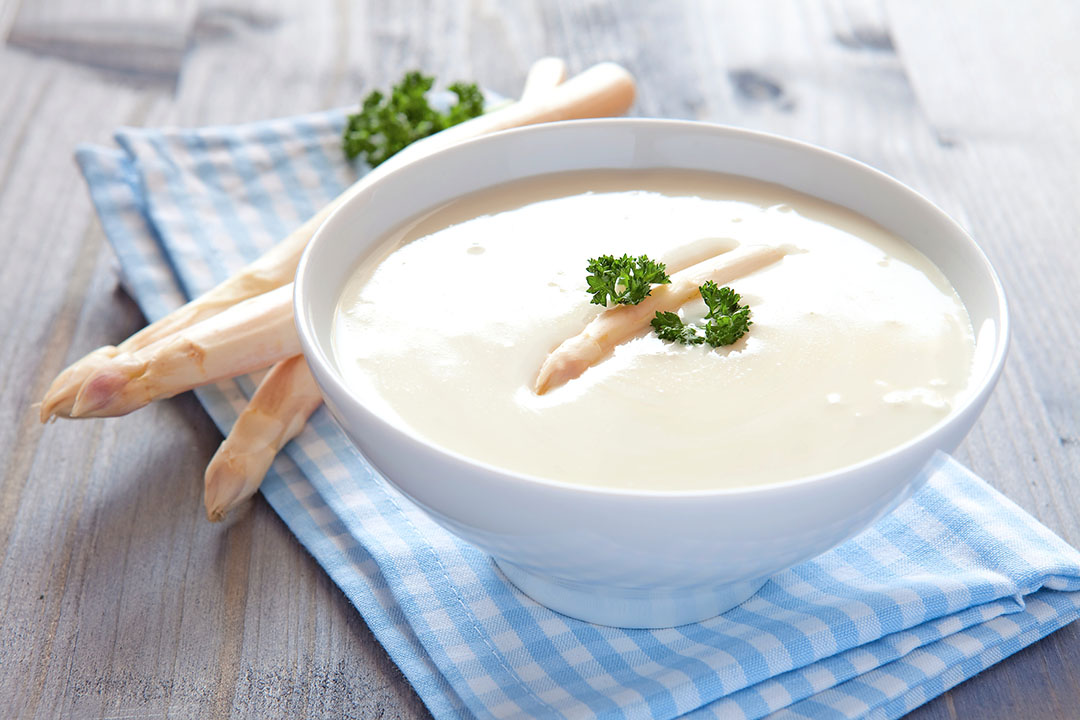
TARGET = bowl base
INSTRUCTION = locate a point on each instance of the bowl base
(624, 608)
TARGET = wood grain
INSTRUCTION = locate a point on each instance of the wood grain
(117, 599)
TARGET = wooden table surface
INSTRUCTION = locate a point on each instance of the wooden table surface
(118, 599)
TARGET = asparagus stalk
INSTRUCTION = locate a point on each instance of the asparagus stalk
(272, 270)
(249, 336)
(544, 74)
(603, 90)
(277, 412)
(618, 324)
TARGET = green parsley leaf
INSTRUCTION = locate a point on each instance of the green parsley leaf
(720, 300)
(727, 329)
(625, 280)
(726, 321)
(669, 326)
(470, 103)
(386, 125)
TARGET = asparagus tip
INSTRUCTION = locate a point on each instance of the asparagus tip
(226, 483)
(59, 399)
(108, 391)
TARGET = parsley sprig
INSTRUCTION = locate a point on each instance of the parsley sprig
(726, 321)
(669, 326)
(387, 124)
(625, 280)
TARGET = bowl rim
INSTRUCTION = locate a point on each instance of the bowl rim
(314, 352)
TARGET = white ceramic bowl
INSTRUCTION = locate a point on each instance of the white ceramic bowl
(626, 557)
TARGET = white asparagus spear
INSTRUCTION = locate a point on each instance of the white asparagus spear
(696, 251)
(276, 414)
(543, 75)
(249, 336)
(271, 270)
(618, 324)
(288, 395)
(603, 90)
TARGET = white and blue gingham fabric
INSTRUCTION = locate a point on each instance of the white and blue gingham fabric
(953, 581)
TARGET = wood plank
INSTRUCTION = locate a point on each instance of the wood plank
(44, 264)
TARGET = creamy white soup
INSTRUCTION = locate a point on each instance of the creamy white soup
(858, 342)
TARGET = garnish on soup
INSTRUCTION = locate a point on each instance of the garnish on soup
(615, 325)
(625, 280)
(726, 321)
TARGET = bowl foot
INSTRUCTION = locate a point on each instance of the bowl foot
(626, 608)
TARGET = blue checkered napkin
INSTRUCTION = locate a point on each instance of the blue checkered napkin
(953, 581)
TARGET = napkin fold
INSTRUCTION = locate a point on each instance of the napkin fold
(953, 581)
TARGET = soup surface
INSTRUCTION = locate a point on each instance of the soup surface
(858, 342)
